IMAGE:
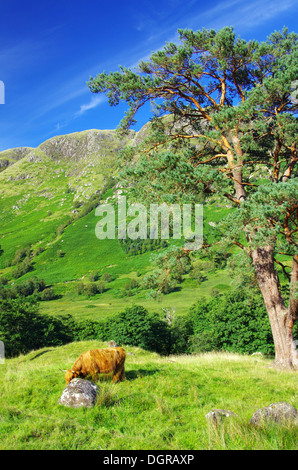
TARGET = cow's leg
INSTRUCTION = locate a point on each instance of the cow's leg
(119, 375)
(122, 375)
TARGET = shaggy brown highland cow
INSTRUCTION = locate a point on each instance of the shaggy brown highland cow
(98, 361)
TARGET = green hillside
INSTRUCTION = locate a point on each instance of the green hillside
(43, 189)
(171, 395)
(47, 206)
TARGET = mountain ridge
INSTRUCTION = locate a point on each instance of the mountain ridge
(84, 160)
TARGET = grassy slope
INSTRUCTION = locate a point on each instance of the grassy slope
(171, 395)
(37, 195)
(37, 192)
(84, 253)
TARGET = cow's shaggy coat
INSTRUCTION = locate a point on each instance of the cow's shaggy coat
(99, 361)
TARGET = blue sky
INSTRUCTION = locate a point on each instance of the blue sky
(49, 50)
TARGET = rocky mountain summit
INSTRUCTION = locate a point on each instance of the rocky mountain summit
(81, 161)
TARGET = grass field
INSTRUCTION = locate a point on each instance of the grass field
(171, 395)
(106, 304)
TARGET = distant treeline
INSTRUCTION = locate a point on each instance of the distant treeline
(32, 287)
(232, 322)
(140, 246)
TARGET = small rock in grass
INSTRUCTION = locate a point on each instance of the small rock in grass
(281, 412)
(79, 393)
(217, 415)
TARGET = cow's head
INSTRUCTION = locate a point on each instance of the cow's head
(70, 374)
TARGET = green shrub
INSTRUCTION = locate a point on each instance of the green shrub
(132, 284)
(89, 205)
(23, 329)
(90, 289)
(3, 281)
(80, 288)
(94, 276)
(76, 204)
(234, 322)
(89, 329)
(38, 250)
(101, 287)
(21, 254)
(136, 327)
(48, 294)
(25, 288)
(107, 277)
(22, 268)
(180, 332)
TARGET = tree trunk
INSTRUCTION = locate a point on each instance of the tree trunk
(281, 318)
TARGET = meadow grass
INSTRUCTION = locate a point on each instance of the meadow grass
(161, 405)
(103, 305)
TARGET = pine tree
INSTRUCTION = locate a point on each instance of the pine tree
(225, 123)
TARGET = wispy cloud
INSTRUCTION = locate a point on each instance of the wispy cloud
(93, 103)
(242, 14)
(238, 13)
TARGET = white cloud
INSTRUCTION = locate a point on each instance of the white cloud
(93, 103)
(242, 14)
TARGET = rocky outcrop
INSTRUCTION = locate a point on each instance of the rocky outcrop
(81, 145)
(10, 156)
(84, 161)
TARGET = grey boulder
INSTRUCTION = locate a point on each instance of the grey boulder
(280, 412)
(79, 393)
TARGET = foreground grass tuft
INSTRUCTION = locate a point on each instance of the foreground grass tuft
(162, 404)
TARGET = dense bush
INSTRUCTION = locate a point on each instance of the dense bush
(23, 329)
(107, 277)
(90, 205)
(21, 254)
(233, 322)
(25, 288)
(24, 267)
(140, 246)
(88, 329)
(94, 276)
(48, 294)
(180, 331)
(136, 327)
(170, 267)
(90, 289)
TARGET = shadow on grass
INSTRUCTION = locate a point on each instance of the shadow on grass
(40, 354)
(136, 374)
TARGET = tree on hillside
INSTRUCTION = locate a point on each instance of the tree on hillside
(225, 122)
(170, 265)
